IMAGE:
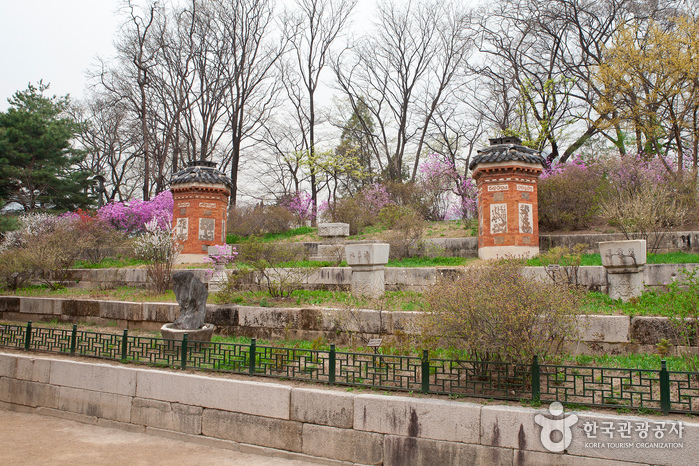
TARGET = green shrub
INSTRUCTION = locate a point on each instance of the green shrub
(258, 220)
(264, 262)
(16, 269)
(407, 229)
(682, 300)
(494, 313)
(567, 198)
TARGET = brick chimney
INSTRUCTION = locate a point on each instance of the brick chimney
(506, 175)
(200, 194)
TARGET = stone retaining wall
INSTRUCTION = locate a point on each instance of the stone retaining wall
(396, 278)
(320, 425)
(619, 334)
(687, 241)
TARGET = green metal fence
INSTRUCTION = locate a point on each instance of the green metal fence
(659, 390)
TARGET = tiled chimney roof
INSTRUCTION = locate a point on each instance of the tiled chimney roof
(201, 171)
(506, 149)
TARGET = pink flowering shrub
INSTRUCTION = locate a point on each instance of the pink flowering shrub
(643, 200)
(448, 194)
(134, 215)
(362, 209)
(568, 195)
(301, 206)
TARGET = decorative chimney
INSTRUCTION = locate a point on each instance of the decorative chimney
(506, 175)
(200, 194)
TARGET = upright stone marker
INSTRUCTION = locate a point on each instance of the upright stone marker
(200, 194)
(506, 175)
(333, 236)
(624, 262)
(368, 263)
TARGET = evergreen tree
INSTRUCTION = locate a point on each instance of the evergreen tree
(38, 165)
(356, 141)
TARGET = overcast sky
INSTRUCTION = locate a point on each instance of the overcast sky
(53, 40)
(58, 40)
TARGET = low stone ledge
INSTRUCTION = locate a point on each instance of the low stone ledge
(33, 369)
(401, 451)
(99, 404)
(256, 398)
(323, 407)
(256, 430)
(343, 444)
(602, 328)
(33, 394)
(649, 330)
(43, 306)
(164, 415)
(94, 377)
(429, 418)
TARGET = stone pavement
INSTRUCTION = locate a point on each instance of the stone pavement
(44, 440)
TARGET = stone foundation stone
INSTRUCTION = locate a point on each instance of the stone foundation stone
(624, 262)
(368, 262)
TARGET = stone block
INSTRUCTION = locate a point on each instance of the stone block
(659, 275)
(222, 316)
(23, 392)
(623, 254)
(357, 320)
(10, 304)
(625, 286)
(424, 418)
(255, 430)
(343, 444)
(329, 408)
(646, 330)
(331, 277)
(368, 281)
(249, 316)
(8, 365)
(160, 312)
(40, 306)
(80, 308)
(678, 451)
(511, 427)
(367, 254)
(121, 310)
(164, 415)
(607, 329)
(330, 230)
(416, 278)
(261, 399)
(97, 404)
(96, 377)
(33, 369)
(400, 451)
(406, 322)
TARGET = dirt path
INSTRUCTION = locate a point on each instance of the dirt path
(44, 440)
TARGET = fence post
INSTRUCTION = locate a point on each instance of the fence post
(183, 362)
(536, 379)
(28, 336)
(124, 344)
(664, 388)
(331, 362)
(73, 339)
(251, 362)
(425, 371)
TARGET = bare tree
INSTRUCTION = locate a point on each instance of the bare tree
(316, 24)
(403, 72)
(251, 54)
